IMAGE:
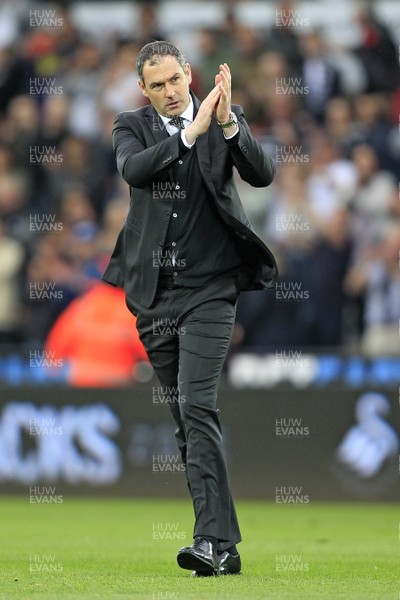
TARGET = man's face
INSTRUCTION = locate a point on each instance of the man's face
(166, 85)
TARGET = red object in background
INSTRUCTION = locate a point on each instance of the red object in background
(40, 44)
(97, 336)
(370, 36)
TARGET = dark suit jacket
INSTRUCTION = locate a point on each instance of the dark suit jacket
(144, 154)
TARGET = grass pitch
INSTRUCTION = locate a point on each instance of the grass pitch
(121, 549)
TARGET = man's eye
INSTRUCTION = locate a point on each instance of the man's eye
(175, 78)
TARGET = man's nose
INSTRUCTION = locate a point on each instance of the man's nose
(169, 90)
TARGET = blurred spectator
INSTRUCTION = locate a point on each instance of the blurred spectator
(6, 159)
(11, 261)
(331, 185)
(350, 70)
(320, 78)
(243, 60)
(282, 38)
(80, 168)
(120, 90)
(264, 323)
(54, 120)
(113, 219)
(372, 201)
(82, 83)
(75, 207)
(21, 128)
(269, 321)
(340, 126)
(52, 281)
(97, 337)
(272, 69)
(148, 27)
(373, 122)
(211, 55)
(80, 233)
(332, 180)
(15, 72)
(378, 53)
(377, 275)
(313, 244)
(289, 226)
(13, 203)
(321, 317)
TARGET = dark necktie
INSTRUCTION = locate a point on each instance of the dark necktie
(177, 122)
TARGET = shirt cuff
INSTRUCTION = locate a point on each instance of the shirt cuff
(184, 140)
(233, 135)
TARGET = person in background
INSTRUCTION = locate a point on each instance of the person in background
(77, 338)
(377, 276)
(12, 257)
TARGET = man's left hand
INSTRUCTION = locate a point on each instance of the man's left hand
(223, 107)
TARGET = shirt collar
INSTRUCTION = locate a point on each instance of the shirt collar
(187, 113)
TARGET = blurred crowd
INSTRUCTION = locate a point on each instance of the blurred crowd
(328, 115)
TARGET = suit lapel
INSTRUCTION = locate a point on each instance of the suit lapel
(158, 130)
(155, 125)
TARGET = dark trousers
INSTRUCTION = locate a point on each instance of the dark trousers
(186, 333)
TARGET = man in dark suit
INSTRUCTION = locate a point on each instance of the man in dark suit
(184, 253)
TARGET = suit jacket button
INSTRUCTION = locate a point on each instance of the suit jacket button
(167, 215)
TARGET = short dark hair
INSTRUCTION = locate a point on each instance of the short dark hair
(154, 51)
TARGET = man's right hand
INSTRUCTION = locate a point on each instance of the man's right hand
(203, 118)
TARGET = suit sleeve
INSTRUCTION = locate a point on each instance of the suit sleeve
(252, 163)
(136, 163)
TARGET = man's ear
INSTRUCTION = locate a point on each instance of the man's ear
(143, 88)
(188, 72)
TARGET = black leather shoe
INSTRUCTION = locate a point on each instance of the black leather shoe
(229, 564)
(200, 556)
